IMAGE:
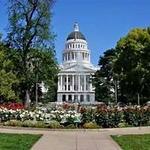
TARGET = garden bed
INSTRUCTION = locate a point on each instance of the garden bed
(69, 116)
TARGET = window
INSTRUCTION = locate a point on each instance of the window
(68, 87)
(73, 45)
(68, 79)
(70, 98)
(64, 98)
(81, 98)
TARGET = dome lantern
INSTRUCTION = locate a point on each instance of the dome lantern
(76, 34)
(76, 27)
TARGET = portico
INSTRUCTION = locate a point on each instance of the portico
(78, 84)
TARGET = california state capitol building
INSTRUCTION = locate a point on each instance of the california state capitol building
(76, 70)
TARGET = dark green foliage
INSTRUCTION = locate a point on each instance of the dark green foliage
(103, 78)
(7, 75)
(108, 118)
(124, 74)
(114, 117)
(33, 53)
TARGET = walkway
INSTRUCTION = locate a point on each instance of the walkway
(98, 139)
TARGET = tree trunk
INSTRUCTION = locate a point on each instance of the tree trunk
(27, 99)
(116, 92)
(36, 94)
(138, 98)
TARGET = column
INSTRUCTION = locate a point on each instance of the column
(59, 97)
(61, 82)
(84, 82)
(90, 86)
(58, 83)
(66, 82)
(63, 85)
(72, 82)
(72, 97)
(67, 97)
(78, 98)
(92, 98)
(79, 88)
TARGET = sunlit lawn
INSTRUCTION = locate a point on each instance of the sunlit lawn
(133, 142)
(17, 141)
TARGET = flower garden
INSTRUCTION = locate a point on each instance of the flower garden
(74, 116)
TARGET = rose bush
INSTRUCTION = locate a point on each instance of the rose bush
(69, 115)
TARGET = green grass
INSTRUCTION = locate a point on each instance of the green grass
(133, 142)
(17, 141)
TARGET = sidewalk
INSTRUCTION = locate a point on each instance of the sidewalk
(98, 139)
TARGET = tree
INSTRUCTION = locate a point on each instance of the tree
(29, 28)
(44, 70)
(7, 76)
(132, 64)
(103, 79)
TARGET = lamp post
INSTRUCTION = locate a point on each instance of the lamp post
(36, 81)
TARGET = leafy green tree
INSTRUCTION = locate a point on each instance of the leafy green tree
(29, 28)
(132, 64)
(44, 70)
(7, 76)
(103, 79)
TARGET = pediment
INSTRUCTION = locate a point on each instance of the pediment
(78, 68)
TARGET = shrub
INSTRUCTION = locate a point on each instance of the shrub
(88, 115)
(123, 124)
(13, 123)
(32, 123)
(90, 125)
(40, 124)
(28, 123)
(108, 118)
(71, 126)
(54, 124)
(137, 116)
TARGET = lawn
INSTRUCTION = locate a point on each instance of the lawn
(133, 142)
(17, 141)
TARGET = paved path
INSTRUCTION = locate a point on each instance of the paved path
(98, 139)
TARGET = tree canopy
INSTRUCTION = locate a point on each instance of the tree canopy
(129, 66)
(30, 40)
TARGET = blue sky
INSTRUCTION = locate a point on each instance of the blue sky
(103, 22)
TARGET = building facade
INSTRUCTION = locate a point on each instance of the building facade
(74, 78)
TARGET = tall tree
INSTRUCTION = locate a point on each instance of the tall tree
(29, 28)
(103, 79)
(132, 63)
(7, 75)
